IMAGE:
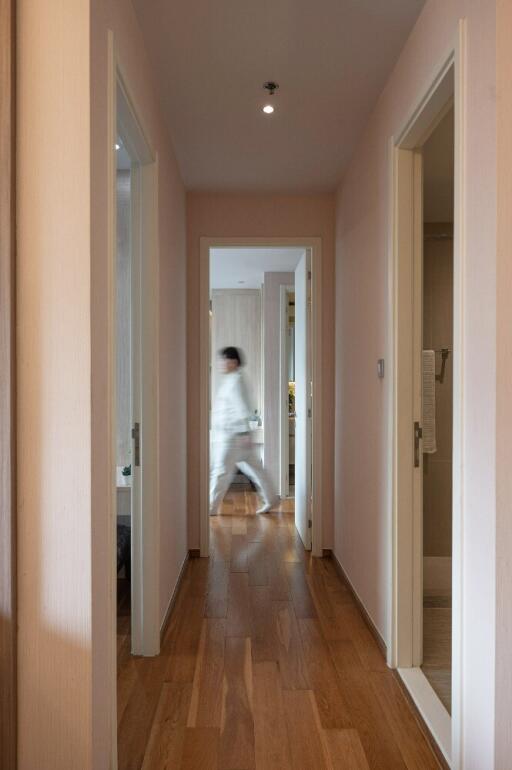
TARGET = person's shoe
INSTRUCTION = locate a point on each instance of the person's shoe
(268, 506)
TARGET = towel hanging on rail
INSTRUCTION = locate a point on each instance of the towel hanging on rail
(429, 402)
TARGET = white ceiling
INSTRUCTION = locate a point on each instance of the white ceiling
(438, 172)
(244, 268)
(330, 57)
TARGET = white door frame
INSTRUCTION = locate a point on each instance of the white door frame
(404, 652)
(284, 421)
(315, 245)
(123, 120)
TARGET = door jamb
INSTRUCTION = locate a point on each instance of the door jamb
(315, 245)
(413, 134)
(8, 704)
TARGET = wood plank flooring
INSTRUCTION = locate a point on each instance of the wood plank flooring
(266, 664)
(437, 646)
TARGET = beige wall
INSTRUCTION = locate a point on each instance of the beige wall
(64, 675)
(54, 392)
(362, 465)
(437, 334)
(231, 216)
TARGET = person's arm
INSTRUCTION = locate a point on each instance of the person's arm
(241, 403)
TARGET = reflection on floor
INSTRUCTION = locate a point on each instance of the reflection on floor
(244, 502)
(437, 646)
(266, 663)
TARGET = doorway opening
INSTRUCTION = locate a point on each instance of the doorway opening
(426, 406)
(124, 377)
(259, 297)
(437, 405)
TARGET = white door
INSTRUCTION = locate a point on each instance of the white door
(284, 412)
(303, 400)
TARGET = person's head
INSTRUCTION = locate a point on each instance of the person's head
(230, 359)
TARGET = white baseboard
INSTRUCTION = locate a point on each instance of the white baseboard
(174, 594)
(437, 573)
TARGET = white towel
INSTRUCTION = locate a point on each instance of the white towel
(429, 402)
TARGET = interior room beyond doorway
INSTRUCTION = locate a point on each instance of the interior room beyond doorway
(252, 307)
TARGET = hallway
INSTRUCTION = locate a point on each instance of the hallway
(266, 663)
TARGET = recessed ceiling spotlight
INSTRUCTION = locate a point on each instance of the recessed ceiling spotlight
(270, 87)
(118, 146)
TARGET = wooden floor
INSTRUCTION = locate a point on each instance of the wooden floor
(266, 663)
(437, 646)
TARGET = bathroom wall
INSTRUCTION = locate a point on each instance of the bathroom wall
(123, 284)
(438, 333)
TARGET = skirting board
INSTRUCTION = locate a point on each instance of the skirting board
(369, 622)
(424, 725)
(172, 601)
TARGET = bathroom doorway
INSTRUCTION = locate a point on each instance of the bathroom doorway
(426, 425)
(437, 407)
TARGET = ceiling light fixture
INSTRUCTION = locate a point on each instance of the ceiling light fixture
(270, 87)
(118, 146)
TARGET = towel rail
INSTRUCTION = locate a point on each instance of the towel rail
(445, 352)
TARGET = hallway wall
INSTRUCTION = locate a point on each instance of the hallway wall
(252, 215)
(53, 386)
(65, 674)
(362, 465)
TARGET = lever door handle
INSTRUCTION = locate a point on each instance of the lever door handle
(418, 435)
(136, 440)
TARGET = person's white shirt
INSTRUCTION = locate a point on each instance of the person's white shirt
(231, 410)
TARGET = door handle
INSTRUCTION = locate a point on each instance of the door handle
(136, 439)
(418, 435)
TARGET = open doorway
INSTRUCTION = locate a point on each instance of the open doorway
(260, 299)
(124, 421)
(134, 391)
(437, 406)
(426, 428)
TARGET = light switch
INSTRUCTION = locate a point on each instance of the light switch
(380, 368)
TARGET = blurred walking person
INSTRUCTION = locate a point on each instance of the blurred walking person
(233, 446)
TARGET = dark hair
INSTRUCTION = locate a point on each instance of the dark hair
(232, 354)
